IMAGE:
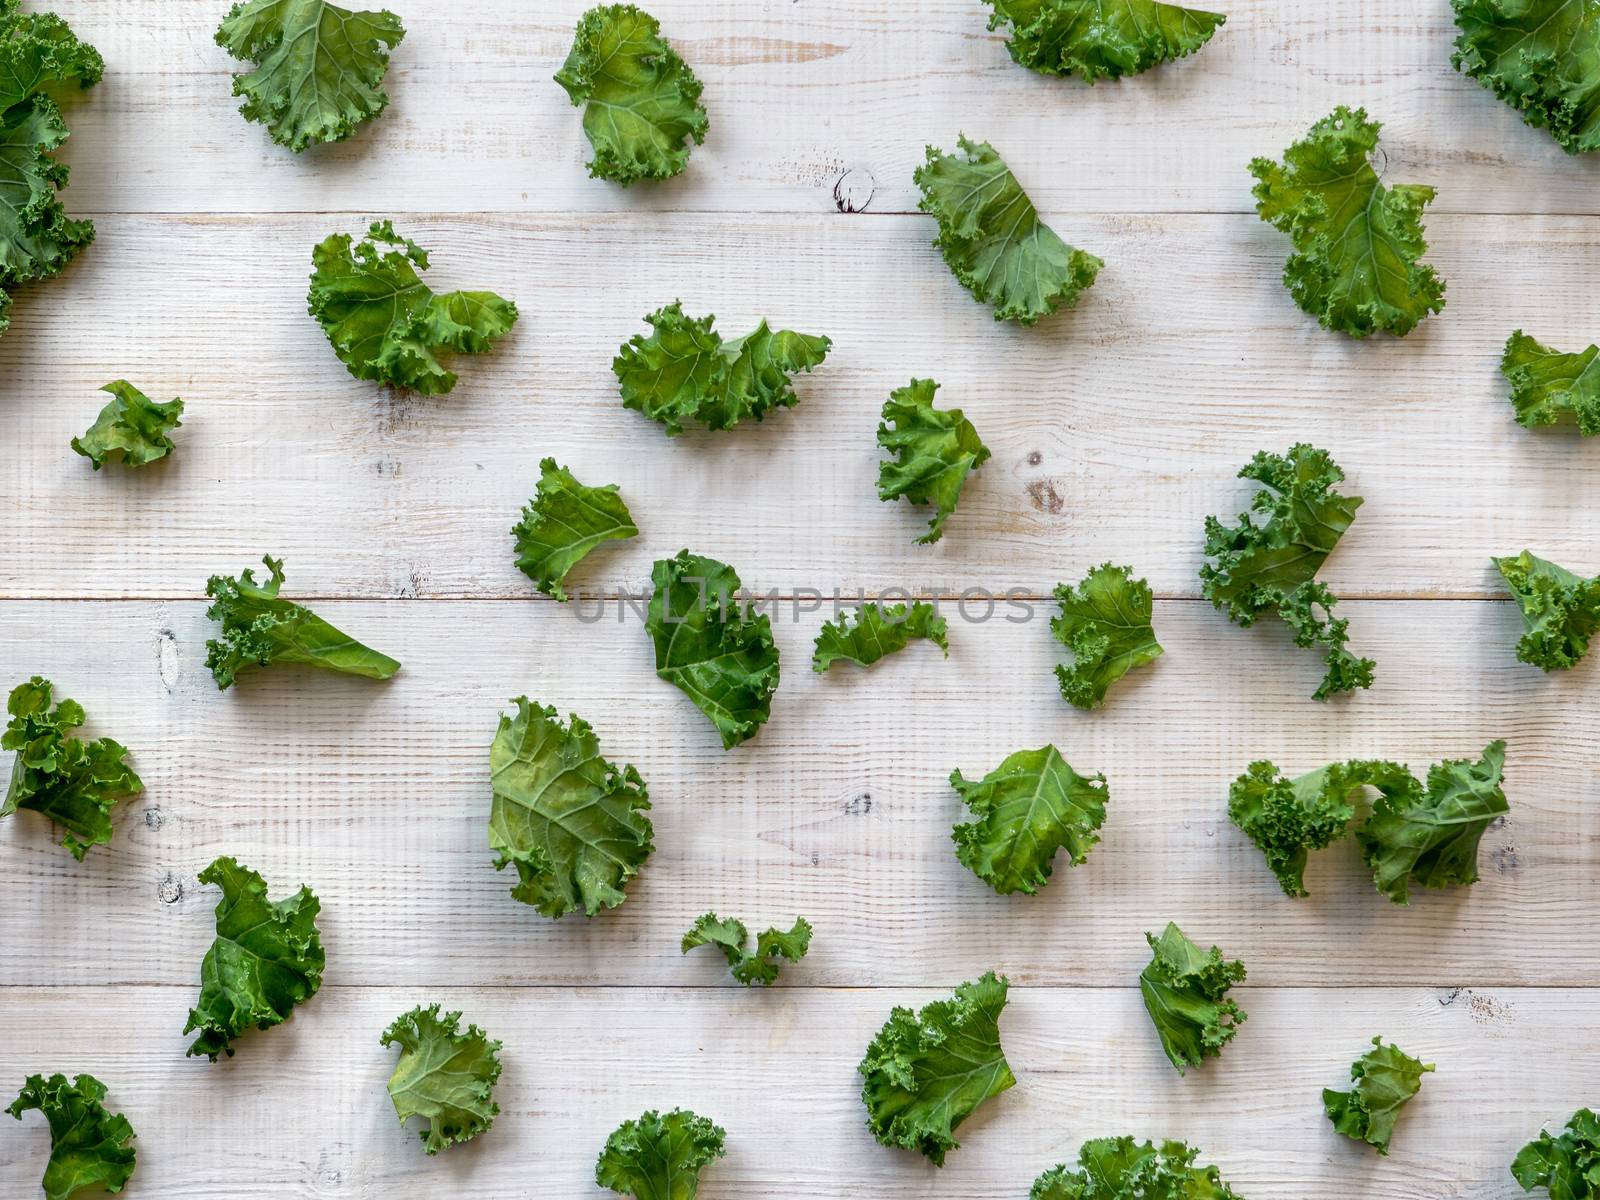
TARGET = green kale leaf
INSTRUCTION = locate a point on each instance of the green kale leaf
(1560, 611)
(1431, 837)
(878, 632)
(935, 450)
(1358, 245)
(1184, 992)
(132, 429)
(927, 1072)
(991, 236)
(1095, 40)
(267, 958)
(1542, 57)
(259, 629)
(389, 327)
(573, 824)
(1287, 819)
(1028, 808)
(659, 1157)
(563, 522)
(1567, 1165)
(444, 1076)
(641, 101)
(1106, 622)
(73, 782)
(731, 937)
(714, 650)
(319, 68)
(40, 60)
(1268, 562)
(88, 1146)
(1385, 1078)
(1551, 388)
(684, 371)
(1123, 1169)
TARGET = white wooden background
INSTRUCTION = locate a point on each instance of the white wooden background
(1115, 430)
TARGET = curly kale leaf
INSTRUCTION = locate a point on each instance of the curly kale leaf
(935, 450)
(1287, 819)
(563, 522)
(1385, 1078)
(444, 1076)
(1106, 622)
(684, 371)
(571, 822)
(731, 937)
(1094, 39)
(267, 958)
(319, 68)
(258, 629)
(991, 236)
(389, 327)
(659, 1157)
(1542, 57)
(1185, 990)
(1123, 1169)
(132, 429)
(1551, 388)
(1028, 808)
(1430, 837)
(1358, 245)
(641, 101)
(89, 1148)
(1560, 611)
(927, 1072)
(714, 650)
(1566, 1165)
(878, 632)
(73, 782)
(1268, 562)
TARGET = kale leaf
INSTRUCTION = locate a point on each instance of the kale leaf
(88, 1146)
(1185, 990)
(1106, 622)
(750, 967)
(1560, 611)
(132, 429)
(1123, 1169)
(1566, 1165)
(1552, 388)
(444, 1076)
(935, 450)
(1385, 1078)
(878, 632)
(1542, 57)
(1096, 40)
(563, 522)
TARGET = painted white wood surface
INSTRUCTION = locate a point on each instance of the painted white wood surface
(1116, 430)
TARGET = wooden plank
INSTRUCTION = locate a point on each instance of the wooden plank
(378, 797)
(301, 1112)
(802, 97)
(1116, 429)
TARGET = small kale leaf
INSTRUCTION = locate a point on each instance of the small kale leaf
(132, 429)
(1106, 622)
(563, 522)
(1268, 562)
(1185, 990)
(1551, 388)
(258, 629)
(1029, 807)
(659, 1157)
(878, 632)
(731, 937)
(927, 1072)
(444, 1076)
(1566, 1165)
(571, 822)
(1095, 40)
(1358, 245)
(389, 327)
(73, 782)
(1123, 1169)
(684, 371)
(993, 240)
(1430, 837)
(266, 959)
(1560, 611)
(935, 450)
(1385, 1078)
(716, 651)
(641, 101)
(319, 68)
(88, 1146)
(1542, 57)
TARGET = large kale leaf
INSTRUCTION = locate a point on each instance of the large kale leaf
(1123, 1169)
(89, 1148)
(1185, 992)
(1101, 39)
(132, 429)
(444, 1076)
(1542, 57)
(934, 449)
(1385, 1078)
(1552, 388)
(1106, 622)
(1560, 610)
(659, 1157)
(563, 522)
